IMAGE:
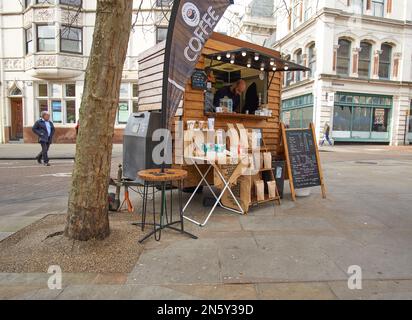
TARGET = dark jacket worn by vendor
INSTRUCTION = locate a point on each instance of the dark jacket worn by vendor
(44, 129)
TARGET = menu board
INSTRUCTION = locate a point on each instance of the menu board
(303, 158)
(199, 80)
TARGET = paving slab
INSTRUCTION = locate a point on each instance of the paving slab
(375, 290)
(279, 259)
(125, 292)
(295, 291)
(219, 292)
(189, 262)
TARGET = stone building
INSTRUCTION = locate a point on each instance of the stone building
(44, 49)
(360, 55)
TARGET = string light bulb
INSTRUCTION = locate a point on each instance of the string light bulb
(274, 68)
(228, 55)
(219, 57)
(243, 53)
(272, 62)
(286, 67)
(232, 59)
(256, 57)
(249, 63)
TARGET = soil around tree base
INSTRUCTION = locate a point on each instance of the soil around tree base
(30, 250)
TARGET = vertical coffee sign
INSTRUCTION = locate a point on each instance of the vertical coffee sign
(191, 25)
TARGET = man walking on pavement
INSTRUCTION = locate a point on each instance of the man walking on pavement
(44, 129)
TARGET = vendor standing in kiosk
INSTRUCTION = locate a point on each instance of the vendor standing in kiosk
(232, 92)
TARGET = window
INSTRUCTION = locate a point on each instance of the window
(124, 90)
(28, 3)
(61, 99)
(163, 3)
(74, 3)
(343, 57)
(342, 118)
(43, 90)
(45, 1)
(135, 90)
(29, 40)
(288, 78)
(410, 118)
(380, 120)
(296, 13)
(135, 97)
(56, 90)
(123, 112)
(378, 8)
(385, 61)
(43, 106)
(45, 38)
(308, 9)
(128, 101)
(312, 60)
(361, 119)
(365, 60)
(71, 111)
(57, 111)
(71, 39)
(357, 6)
(161, 34)
(70, 90)
(299, 61)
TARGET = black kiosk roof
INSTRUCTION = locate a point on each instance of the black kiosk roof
(254, 59)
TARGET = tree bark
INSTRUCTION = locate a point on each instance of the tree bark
(87, 216)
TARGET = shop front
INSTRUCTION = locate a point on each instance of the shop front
(297, 112)
(361, 117)
(409, 133)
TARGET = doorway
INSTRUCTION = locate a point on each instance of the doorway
(16, 130)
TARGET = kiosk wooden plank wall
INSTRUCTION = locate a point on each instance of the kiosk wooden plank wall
(150, 82)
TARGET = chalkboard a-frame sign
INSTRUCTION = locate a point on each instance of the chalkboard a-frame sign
(199, 80)
(302, 159)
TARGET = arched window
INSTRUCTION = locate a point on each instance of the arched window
(343, 57)
(365, 60)
(288, 75)
(299, 61)
(15, 92)
(312, 60)
(385, 61)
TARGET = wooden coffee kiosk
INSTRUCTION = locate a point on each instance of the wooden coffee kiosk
(225, 61)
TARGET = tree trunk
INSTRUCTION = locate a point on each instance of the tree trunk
(87, 216)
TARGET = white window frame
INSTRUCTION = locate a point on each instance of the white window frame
(63, 98)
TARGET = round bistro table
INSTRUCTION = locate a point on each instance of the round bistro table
(155, 178)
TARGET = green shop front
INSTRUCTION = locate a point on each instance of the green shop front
(361, 117)
(297, 112)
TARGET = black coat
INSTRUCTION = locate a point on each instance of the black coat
(40, 129)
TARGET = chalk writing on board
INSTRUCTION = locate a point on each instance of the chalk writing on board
(303, 160)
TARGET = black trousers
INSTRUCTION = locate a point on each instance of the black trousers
(43, 153)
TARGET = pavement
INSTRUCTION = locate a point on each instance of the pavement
(28, 151)
(299, 250)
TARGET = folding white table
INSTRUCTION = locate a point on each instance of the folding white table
(226, 186)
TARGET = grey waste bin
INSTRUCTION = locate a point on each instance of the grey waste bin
(138, 144)
(279, 173)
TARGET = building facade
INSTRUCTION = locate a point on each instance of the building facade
(360, 55)
(44, 49)
(254, 22)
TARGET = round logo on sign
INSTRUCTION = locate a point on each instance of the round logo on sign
(191, 14)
